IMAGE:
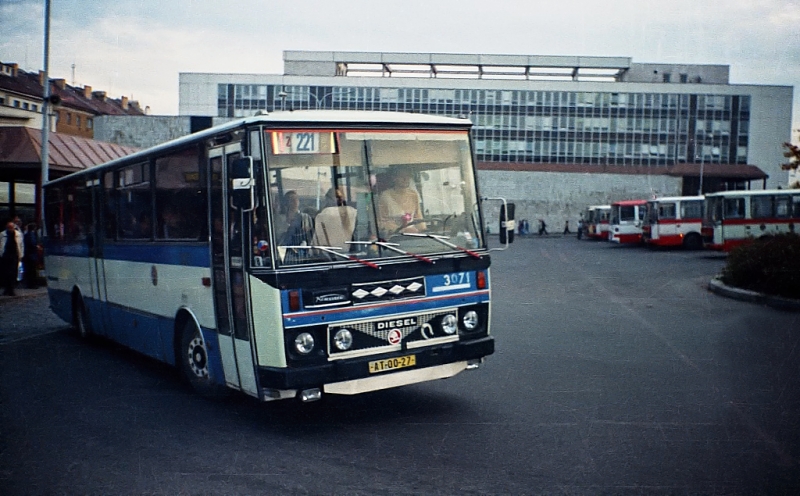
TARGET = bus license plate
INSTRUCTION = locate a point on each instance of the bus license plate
(392, 364)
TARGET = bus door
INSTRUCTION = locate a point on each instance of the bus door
(229, 276)
(97, 273)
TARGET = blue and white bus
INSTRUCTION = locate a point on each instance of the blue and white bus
(284, 255)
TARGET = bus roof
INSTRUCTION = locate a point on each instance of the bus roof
(750, 192)
(677, 198)
(629, 203)
(331, 118)
(598, 207)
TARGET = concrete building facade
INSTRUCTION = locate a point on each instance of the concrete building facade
(547, 122)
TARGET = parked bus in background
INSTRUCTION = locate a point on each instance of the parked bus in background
(627, 217)
(597, 218)
(674, 221)
(283, 255)
(736, 217)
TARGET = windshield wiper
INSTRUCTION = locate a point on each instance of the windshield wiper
(443, 240)
(332, 250)
(392, 247)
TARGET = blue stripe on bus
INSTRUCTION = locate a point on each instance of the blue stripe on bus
(193, 255)
(331, 315)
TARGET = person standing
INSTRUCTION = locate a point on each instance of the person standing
(566, 227)
(10, 254)
(30, 257)
(542, 227)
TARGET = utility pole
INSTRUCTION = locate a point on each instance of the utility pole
(45, 115)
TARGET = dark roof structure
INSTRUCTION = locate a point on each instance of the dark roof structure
(20, 149)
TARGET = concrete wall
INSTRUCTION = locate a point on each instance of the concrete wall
(145, 131)
(557, 197)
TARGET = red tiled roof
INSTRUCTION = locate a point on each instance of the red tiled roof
(730, 171)
(21, 147)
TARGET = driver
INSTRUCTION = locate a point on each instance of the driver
(398, 206)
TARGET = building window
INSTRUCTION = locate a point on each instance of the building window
(69, 118)
(684, 78)
(666, 77)
(89, 123)
(78, 121)
(25, 105)
(16, 103)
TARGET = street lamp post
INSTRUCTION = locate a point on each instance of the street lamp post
(45, 115)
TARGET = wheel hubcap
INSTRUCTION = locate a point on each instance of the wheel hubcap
(198, 361)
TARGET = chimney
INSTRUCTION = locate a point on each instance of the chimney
(124, 103)
(41, 78)
(61, 83)
(100, 95)
(14, 70)
(87, 92)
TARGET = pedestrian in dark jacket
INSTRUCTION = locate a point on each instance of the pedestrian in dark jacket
(542, 227)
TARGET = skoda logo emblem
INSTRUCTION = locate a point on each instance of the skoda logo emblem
(394, 336)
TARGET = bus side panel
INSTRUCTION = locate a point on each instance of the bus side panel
(215, 369)
(65, 272)
(163, 289)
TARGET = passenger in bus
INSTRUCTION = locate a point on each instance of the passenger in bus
(398, 206)
(335, 223)
(295, 228)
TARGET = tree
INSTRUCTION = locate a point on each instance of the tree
(793, 154)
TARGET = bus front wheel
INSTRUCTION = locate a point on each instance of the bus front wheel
(193, 362)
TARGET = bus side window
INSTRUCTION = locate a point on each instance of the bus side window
(179, 200)
(760, 207)
(109, 208)
(783, 208)
(55, 213)
(666, 211)
(134, 202)
(795, 206)
(691, 210)
(734, 208)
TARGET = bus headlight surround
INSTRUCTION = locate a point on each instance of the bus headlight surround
(470, 320)
(304, 343)
(449, 324)
(343, 339)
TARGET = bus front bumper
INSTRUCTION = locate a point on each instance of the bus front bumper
(352, 376)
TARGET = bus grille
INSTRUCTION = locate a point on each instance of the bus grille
(368, 336)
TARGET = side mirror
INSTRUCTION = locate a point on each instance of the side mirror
(242, 183)
(507, 223)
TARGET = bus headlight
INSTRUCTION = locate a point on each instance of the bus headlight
(470, 320)
(304, 343)
(343, 339)
(449, 324)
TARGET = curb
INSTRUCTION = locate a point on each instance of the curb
(22, 293)
(718, 287)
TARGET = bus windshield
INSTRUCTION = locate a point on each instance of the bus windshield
(339, 195)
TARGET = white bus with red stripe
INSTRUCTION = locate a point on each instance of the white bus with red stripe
(627, 217)
(597, 217)
(674, 221)
(737, 217)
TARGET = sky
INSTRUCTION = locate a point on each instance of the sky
(137, 48)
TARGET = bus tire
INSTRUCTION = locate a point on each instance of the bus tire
(692, 241)
(193, 362)
(80, 317)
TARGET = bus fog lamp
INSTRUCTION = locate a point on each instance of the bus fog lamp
(304, 343)
(470, 320)
(343, 339)
(449, 324)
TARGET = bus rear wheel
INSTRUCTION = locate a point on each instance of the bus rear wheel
(692, 241)
(193, 362)
(80, 319)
